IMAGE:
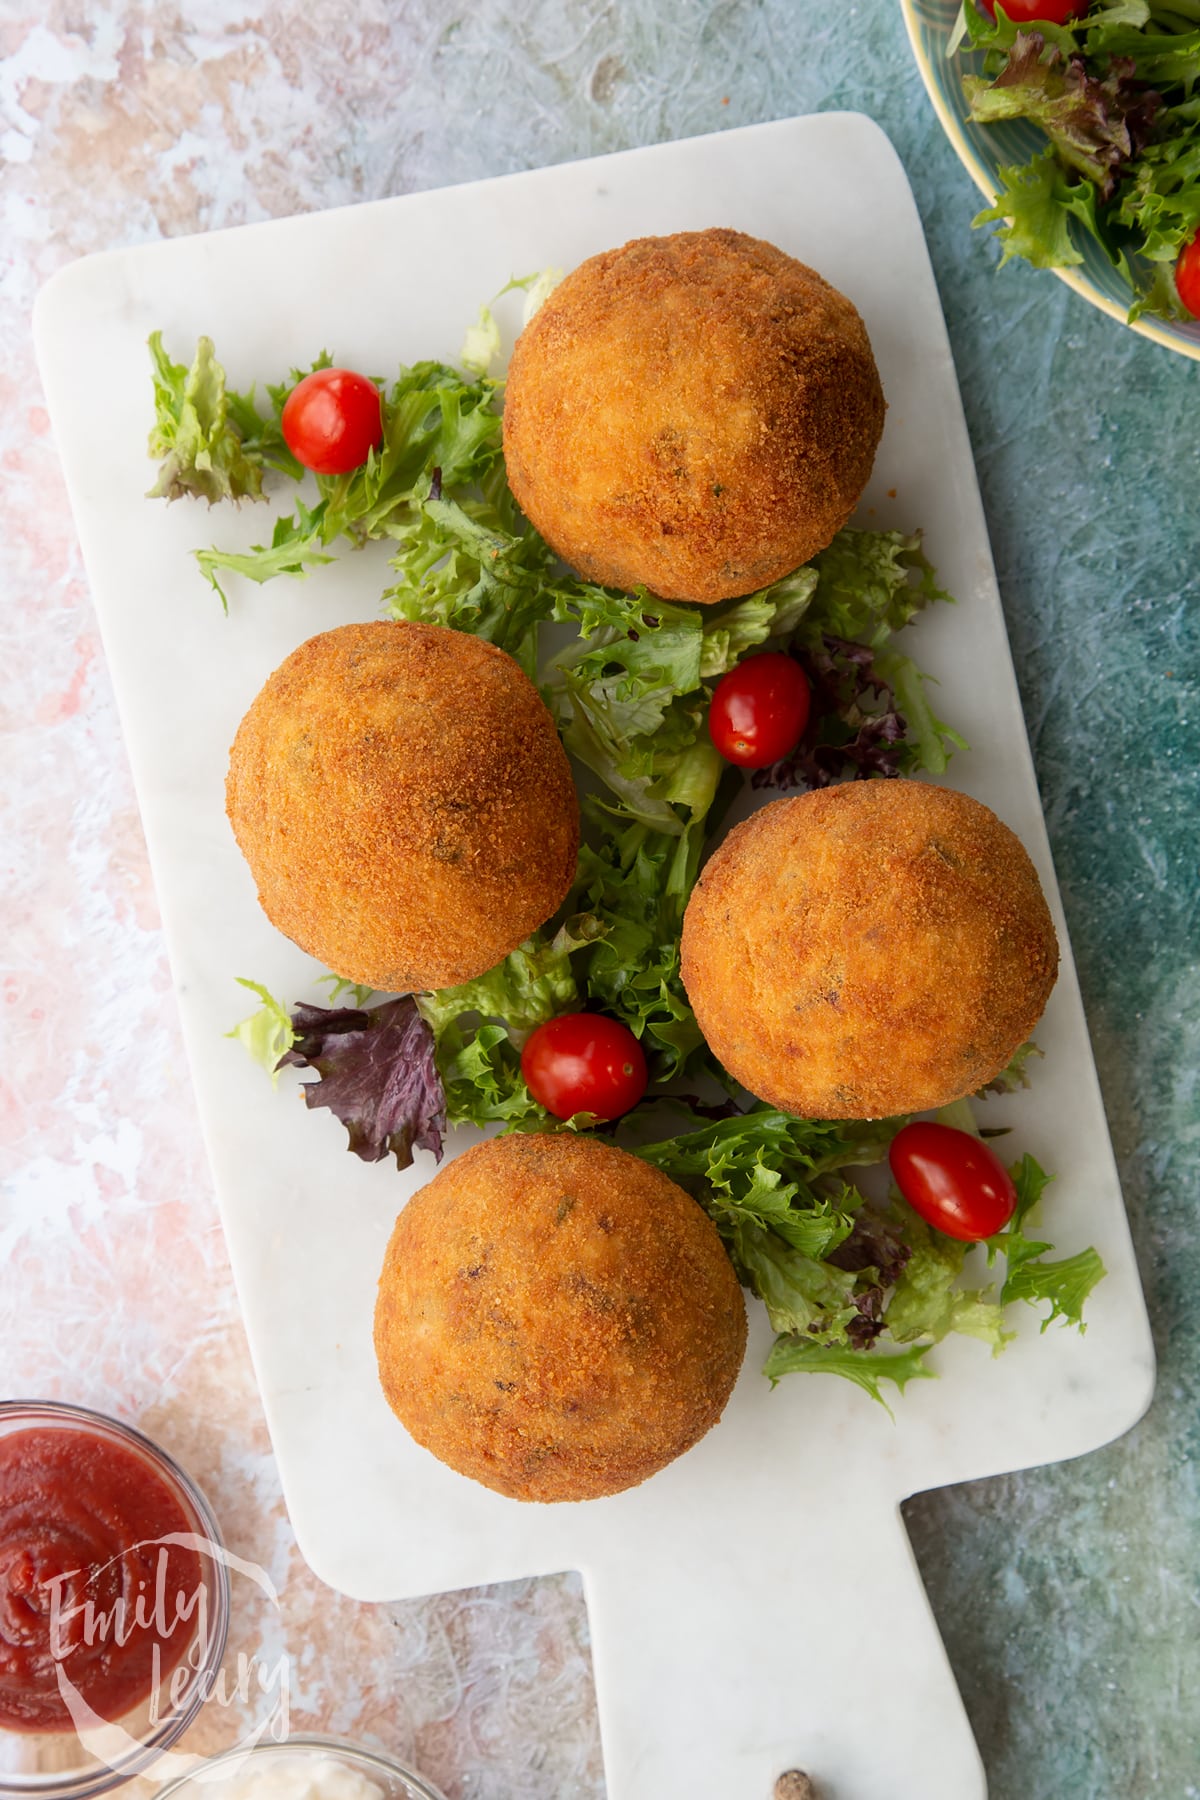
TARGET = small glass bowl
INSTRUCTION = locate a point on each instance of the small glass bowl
(60, 1765)
(984, 150)
(204, 1782)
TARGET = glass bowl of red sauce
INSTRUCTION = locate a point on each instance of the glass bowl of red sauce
(114, 1601)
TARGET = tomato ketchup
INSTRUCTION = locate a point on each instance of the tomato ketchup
(93, 1595)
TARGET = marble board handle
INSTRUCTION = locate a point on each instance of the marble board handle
(813, 1649)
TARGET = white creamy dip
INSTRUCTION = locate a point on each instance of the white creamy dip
(306, 1775)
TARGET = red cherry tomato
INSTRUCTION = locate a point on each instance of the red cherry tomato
(332, 420)
(1031, 12)
(953, 1180)
(759, 710)
(584, 1062)
(1187, 276)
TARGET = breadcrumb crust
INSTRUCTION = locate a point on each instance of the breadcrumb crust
(697, 414)
(877, 948)
(403, 801)
(556, 1318)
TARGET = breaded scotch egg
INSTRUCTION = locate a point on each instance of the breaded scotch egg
(404, 804)
(866, 950)
(695, 414)
(556, 1318)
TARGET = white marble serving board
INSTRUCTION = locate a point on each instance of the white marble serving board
(755, 1606)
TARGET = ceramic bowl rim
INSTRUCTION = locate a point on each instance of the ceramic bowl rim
(364, 1754)
(1157, 330)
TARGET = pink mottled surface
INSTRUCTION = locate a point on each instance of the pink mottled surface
(121, 122)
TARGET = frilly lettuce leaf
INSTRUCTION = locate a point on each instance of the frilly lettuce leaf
(928, 741)
(474, 566)
(481, 1075)
(212, 442)
(538, 289)
(529, 986)
(1015, 1073)
(998, 35)
(1033, 214)
(797, 1355)
(926, 1302)
(869, 585)
(267, 1034)
(634, 884)
(773, 614)
(1066, 1283)
(377, 1073)
(802, 1294)
(1096, 124)
(481, 344)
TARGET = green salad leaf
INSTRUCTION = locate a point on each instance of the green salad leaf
(1066, 1283)
(472, 565)
(927, 1302)
(480, 1068)
(1033, 213)
(267, 1035)
(213, 443)
(791, 1356)
(530, 985)
(634, 883)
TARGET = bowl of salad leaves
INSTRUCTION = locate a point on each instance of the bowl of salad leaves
(1080, 123)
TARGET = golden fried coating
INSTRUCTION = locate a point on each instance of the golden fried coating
(556, 1319)
(867, 950)
(404, 804)
(696, 414)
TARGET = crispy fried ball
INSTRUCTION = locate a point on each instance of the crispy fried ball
(556, 1319)
(697, 414)
(867, 950)
(404, 804)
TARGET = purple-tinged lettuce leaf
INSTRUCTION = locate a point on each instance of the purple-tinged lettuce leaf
(874, 1245)
(378, 1075)
(856, 726)
(1096, 124)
